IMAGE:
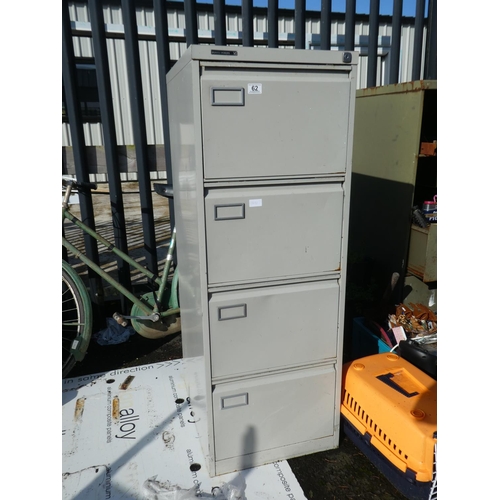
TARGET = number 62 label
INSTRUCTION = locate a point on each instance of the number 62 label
(255, 88)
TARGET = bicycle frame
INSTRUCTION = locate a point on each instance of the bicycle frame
(152, 313)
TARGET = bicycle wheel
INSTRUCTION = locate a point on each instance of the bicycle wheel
(76, 318)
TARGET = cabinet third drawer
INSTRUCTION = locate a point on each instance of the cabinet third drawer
(273, 327)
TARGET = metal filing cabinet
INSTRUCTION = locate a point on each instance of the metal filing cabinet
(261, 151)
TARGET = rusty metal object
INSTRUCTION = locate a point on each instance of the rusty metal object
(79, 407)
(126, 383)
(428, 148)
(116, 408)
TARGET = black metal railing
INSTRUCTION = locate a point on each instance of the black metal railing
(191, 8)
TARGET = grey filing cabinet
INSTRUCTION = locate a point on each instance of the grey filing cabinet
(261, 151)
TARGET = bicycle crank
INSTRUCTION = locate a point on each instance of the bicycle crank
(122, 319)
(149, 328)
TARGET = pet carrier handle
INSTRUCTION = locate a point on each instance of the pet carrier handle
(387, 379)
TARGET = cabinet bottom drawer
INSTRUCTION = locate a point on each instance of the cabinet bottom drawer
(254, 415)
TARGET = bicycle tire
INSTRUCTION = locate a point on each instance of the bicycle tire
(76, 318)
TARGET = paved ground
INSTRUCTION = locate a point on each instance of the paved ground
(343, 473)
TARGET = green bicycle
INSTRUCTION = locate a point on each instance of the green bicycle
(153, 314)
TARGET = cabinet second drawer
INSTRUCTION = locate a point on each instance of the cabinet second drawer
(261, 233)
(273, 327)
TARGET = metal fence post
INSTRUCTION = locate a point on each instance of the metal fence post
(110, 142)
(247, 19)
(139, 131)
(300, 24)
(220, 22)
(78, 142)
(272, 24)
(350, 24)
(326, 24)
(397, 13)
(417, 44)
(191, 22)
(373, 43)
(431, 49)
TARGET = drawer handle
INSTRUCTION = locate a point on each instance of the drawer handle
(234, 401)
(229, 212)
(232, 312)
(227, 96)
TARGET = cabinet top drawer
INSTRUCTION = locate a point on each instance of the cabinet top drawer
(264, 123)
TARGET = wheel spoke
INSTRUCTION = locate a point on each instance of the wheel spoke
(76, 318)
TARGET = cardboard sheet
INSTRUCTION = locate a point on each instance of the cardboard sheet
(128, 434)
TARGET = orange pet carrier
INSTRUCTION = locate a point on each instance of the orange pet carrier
(389, 410)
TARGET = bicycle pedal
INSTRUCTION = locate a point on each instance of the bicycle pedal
(120, 319)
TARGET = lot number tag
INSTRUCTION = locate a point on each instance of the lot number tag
(255, 88)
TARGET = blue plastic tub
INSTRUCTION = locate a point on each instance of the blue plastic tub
(364, 342)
